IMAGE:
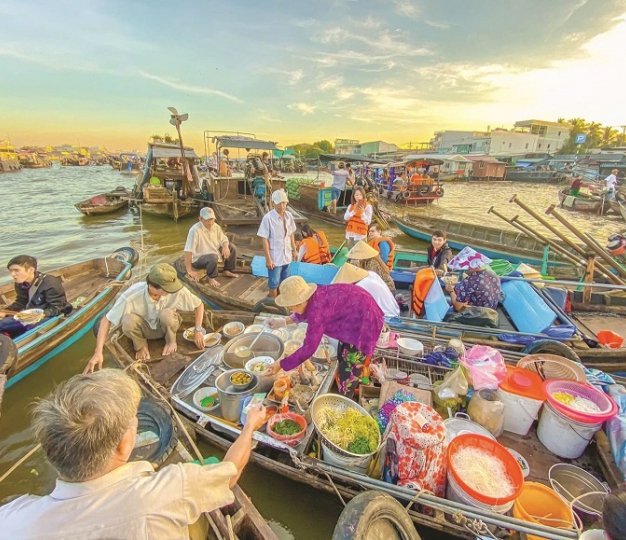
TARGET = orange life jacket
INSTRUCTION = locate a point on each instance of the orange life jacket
(356, 225)
(317, 250)
(423, 280)
(392, 253)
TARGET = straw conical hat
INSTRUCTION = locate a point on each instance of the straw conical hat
(293, 291)
(350, 274)
(362, 251)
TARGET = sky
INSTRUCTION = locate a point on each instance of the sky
(103, 72)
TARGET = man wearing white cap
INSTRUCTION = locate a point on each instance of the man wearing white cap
(206, 247)
(277, 231)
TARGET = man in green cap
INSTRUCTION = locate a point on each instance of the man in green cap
(148, 310)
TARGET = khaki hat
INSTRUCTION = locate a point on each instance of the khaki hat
(164, 275)
(207, 213)
(350, 274)
(293, 291)
(362, 251)
(279, 196)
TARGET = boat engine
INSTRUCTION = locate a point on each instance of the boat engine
(616, 245)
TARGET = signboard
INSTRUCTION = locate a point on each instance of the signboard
(345, 142)
(581, 138)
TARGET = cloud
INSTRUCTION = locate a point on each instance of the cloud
(266, 117)
(344, 94)
(189, 88)
(303, 108)
(406, 8)
(437, 24)
(329, 83)
(295, 76)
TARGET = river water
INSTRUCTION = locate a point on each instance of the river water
(38, 218)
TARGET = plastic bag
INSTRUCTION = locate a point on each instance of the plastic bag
(475, 316)
(453, 386)
(486, 367)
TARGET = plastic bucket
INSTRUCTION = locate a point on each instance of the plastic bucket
(540, 504)
(610, 339)
(519, 412)
(563, 436)
(359, 465)
(455, 493)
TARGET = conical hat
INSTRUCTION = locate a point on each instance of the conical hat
(350, 274)
(362, 251)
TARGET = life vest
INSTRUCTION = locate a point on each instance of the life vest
(421, 285)
(356, 225)
(392, 253)
(317, 250)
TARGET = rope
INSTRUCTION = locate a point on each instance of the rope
(335, 488)
(231, 531)
(19, 462)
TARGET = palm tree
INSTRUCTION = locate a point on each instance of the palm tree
(579, 125)
(594, 132)
(609, 136)
(561, 120)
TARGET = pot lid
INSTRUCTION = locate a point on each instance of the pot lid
(197, 372)
(462, 425)
(523, 382)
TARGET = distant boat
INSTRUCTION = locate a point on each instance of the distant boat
(9, 160)
(105, 203)
(582, 202)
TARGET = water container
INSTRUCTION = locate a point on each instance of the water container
(522, 394)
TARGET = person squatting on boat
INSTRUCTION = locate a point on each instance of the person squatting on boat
(33, 290)
(366, 257)
(359, 216)
(313, 248)
(439, 253)
(341, 311)
(340, 177)
(206, 247)
(279, 245)
(87, 428)
(385, 247)
(148, 310)
(373, 284)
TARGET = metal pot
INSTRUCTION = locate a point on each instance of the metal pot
(231, 400)
(267, 345)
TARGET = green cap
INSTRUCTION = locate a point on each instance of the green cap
(164, 275)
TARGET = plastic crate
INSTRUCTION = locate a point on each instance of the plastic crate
(320, 274)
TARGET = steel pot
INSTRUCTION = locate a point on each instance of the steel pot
(267, 345)
(231, 400)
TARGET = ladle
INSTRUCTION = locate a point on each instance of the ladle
(247, 350)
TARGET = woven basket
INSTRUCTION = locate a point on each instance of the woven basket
(551, 366)
(341, 404)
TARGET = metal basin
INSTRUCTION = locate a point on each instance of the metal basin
(267, 345)
(231, 399)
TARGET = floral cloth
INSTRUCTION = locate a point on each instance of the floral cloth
(481, 289)
(350, 368)
(468, 259)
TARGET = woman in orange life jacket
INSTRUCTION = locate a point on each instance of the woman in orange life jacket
(359, 216)
(313, 248)
(382, 244)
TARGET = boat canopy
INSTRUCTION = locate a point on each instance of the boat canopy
(232, 141)
(349, 158)
(170, 151)
(417, 161)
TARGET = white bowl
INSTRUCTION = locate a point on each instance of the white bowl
(298, 334)
(292, 344)
(265, 360)
(233, 329)
(281, 333)
(410, 347)
(201, 393)
(320, 354)
(253, 328)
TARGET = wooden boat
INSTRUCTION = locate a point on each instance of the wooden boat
(302, 463)
(170, 185)
(91, 287)
(582, 202)
(33, 160)
(9, 159)
(493, 242)
(74, 160)
(105, 203)
(418, 191)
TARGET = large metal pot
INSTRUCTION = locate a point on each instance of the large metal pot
(267, 345)
(231, 400)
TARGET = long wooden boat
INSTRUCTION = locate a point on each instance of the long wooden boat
(582, 202)
(493, 242)
(304, 464)
(105, 203)
(91, 287)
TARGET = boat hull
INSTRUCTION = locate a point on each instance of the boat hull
(582, 204)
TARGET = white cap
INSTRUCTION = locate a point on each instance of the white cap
(207, 213)
(279, 196)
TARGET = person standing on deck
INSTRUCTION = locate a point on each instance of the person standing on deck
(382, 244)
(206, 247)
(148, 310)
(358, 216)
(340, 177)
(279, 245)
(611, 184)
(313, 248)
(575, 186)
(341, 311)
(87, 429)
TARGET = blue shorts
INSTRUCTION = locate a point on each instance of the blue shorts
(277, 276)
(335, 193)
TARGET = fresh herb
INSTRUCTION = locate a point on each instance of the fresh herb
(287, 427)
(360, 445)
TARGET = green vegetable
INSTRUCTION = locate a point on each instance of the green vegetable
(208, 401)
(287, 427)
(360, 445)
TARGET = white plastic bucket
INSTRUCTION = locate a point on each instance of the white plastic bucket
(359, 465)
(519, 412)
(563, 436)
(455, 493)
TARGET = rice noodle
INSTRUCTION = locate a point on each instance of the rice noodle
(576, 402)
(483, 472)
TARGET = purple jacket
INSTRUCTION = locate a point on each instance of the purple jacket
(342, 311)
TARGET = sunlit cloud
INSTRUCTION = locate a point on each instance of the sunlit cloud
(303, 108)
(295, 76)
(188, 87)
(330, 83)
(406, 8)
(266, 117)
(437, 24)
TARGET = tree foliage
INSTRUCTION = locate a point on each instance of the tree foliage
(597, 135)
(309, 151)
(325, 145)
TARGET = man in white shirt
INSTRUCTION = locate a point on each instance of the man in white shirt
(87, 428)
(611, 184)
(277, 231)
(340, 177)
(206, 247)
(147, 310)
(373, 284)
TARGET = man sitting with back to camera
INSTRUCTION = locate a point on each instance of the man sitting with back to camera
(33, 290)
